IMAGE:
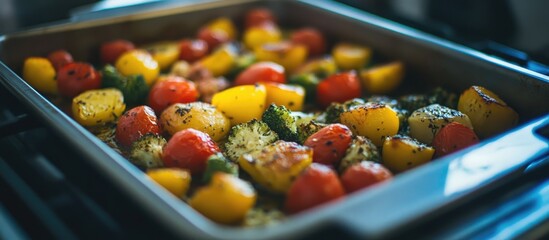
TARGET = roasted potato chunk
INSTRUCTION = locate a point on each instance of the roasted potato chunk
(198, 115)
(427, 121)
(97, 107)
(374, 121)
(489, 114)
(401, 153)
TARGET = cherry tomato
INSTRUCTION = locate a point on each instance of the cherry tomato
(453, 137)
(192, 50)
(75, 78)
(60, 58)
(261, 72)
(135, 123)
(110, 51)
(330, 143)
(213, 38)
(258, 17)
(338, 88)
(189, 149)
(363, 175)
(318, 184)
(172, 90)
(312, 38)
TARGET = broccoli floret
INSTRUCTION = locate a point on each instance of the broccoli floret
(247, 137)
(303, 118)
(146, 152)
(438, 95)
(106, 133)
(280, 120)
(361, 149)
(381, 99)
(309, 82)
(443, 97)
(336, 109)
(305, 130)
(133, 87)
(218, 163)
(412, 102)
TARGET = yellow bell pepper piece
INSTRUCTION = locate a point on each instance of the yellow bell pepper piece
(256, 36)
(241, 103)
(138, 62)
(40, 74)
(97, 107)
(287, 54)
(374, 121)
(226, 199)
(351, 56)
(175, 180)
(382, 79)
(225, 25)
(221, 61)
(322, 67)
(165, 53)
(401, 153)
(277, 165)
(290, 96)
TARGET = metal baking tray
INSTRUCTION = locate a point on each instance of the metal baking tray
(412, 197)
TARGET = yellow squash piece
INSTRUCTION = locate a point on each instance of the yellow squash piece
(221, 61)
(226, 199)
(225, 25)
(427, 121)
(489, 114)
(257, 36)
(401, 153)
(277, 165)
(40, 74)
(241, 103)
(322, 67)
(175, 180)
(287, 54)
(138, 62)
(351, 56)
(290, 96)
(198, 115)
(374, 121)
(97, 107)
(382, 79)
(164, 53)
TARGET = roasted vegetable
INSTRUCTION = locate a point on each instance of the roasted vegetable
(138, 62)
(287, 54)
(218, 163)
(60, 58)
(309, 82)
(427, 121)
(312, 39)
(305, 130)
(330, 143)
(339, 87)
(189, 149)
(248, 137)
(360, 149)
(110, 51)
(40, 74)
(453, 137)
(256, 36)
(77, 77)
(164, 53)
(489, 114)
(146, 152)
(135, 123)
(401, 153)
(334, 111)
(97, 107)
(280, 120)
(242, 62)
(133, 87)
(276, 165)
(175, 180)
(363, 175)
(171, 90)
(197, 115)
(321, 67)
(351, 56)
(232, 101)
(374, 121)
(438, 95)
(225, 25)
(237, 197)
(221, 61)
(261, 72)
(290, 96)
(382, 79)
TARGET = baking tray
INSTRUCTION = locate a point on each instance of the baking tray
(411, 198)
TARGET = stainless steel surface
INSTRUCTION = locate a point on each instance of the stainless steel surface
(411, 197)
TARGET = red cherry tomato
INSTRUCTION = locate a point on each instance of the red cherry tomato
(135, 123)
(453, 137)
(261, 72)
(258, 17)
(75, 78)
(110, 51)
(312, 38)
(192, 50)
(172, 90)
(213, 38)
(60, 58)
(318, 184)
(363, 175)
(189, 149)
(330, 143)
(339, 88)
